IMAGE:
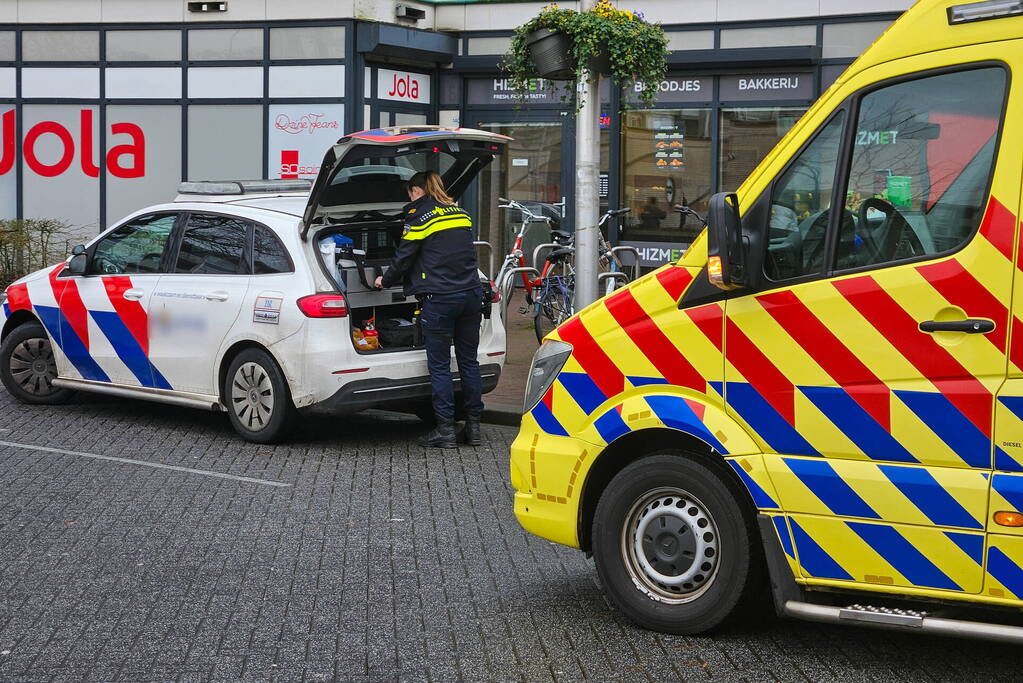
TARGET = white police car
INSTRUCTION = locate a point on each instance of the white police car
(244, 296)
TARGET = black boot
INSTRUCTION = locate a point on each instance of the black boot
(472, 435)
(442, 436)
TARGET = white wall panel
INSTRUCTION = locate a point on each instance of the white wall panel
(225, 81)
(72, 82)
(322, 80)
(7, 82)
(154, 82)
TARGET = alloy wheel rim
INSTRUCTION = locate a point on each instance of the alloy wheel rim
(252, 396)
(33, 366)
(670, 546)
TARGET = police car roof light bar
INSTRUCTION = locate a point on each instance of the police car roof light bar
(235, 187)
(982, 11)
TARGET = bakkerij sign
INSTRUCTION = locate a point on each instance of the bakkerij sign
(778, 86)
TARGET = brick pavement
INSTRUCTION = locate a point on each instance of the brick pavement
(378, 561)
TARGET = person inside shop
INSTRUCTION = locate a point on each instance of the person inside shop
(436, 262)
(651, 214)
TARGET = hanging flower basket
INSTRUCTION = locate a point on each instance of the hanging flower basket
(551, 52)
(563, 44)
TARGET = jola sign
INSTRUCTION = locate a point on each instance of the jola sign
(126, 160)
(403, 86)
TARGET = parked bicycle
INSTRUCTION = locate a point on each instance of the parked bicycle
(554, 302)
(515, 260)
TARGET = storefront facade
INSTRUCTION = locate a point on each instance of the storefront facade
(99, 119)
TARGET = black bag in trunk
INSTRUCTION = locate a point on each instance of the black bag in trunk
(396, 332)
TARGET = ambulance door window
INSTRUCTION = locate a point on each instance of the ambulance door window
(922, 157)
(801, 207)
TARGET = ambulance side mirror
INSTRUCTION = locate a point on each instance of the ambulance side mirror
(726, 252)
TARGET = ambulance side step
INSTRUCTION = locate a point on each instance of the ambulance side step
(902, 620)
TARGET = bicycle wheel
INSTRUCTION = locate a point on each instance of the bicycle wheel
(553, 305)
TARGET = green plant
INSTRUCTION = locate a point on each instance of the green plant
(637, 49)
(31, 244)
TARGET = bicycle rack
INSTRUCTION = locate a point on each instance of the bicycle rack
(506, 290)
(617, 275)
(635, 261)
(539, 248)
(490, 256)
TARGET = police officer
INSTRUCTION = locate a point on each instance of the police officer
(436, 262)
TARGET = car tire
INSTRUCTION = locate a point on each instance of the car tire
(698, 556)
(257, 398)
(28, 368)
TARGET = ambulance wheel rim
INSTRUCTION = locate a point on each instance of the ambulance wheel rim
(252, 396)
(33, 367)
(670, 546)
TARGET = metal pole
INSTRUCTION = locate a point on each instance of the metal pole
(587, 171)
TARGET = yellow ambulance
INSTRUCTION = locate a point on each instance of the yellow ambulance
(825, 395)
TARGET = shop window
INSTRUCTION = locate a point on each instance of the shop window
(496, 45)
(215, 128)
(850, 39)
(215, 44)
(923, 152)
(690, 40)
(143, 46)
(801, 204)
(769, 36)
(747, 135)
(666, 160)
(308, 42)
(6, 46)
(60, 46)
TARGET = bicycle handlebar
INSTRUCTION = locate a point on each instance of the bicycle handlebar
(618, 212)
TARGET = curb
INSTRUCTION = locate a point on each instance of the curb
(502, 414)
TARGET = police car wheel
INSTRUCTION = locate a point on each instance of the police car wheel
(28, 368)
(675, 549)
(257, 397)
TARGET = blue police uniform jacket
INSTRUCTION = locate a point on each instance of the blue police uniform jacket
(436, 254)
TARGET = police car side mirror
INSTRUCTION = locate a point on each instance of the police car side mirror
(78, 264)
(726, 252)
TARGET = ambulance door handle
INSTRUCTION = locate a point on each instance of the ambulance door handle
(969, 326)
(216, 296)
(133, 294)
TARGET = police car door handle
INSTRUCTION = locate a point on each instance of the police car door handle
(215, 296)
(133, 294)
(969, 326)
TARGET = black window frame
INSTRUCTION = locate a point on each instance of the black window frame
(167, 247)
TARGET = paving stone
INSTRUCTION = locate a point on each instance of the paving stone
(379, 561)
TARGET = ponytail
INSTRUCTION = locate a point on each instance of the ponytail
(431, 183)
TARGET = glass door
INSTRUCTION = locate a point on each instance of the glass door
(530, 171)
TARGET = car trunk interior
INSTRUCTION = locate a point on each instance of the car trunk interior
(354, 251)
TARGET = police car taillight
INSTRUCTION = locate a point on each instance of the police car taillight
(323, 306)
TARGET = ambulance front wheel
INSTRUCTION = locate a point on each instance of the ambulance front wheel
(257, 398)
(675, 549)
(28, 368)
